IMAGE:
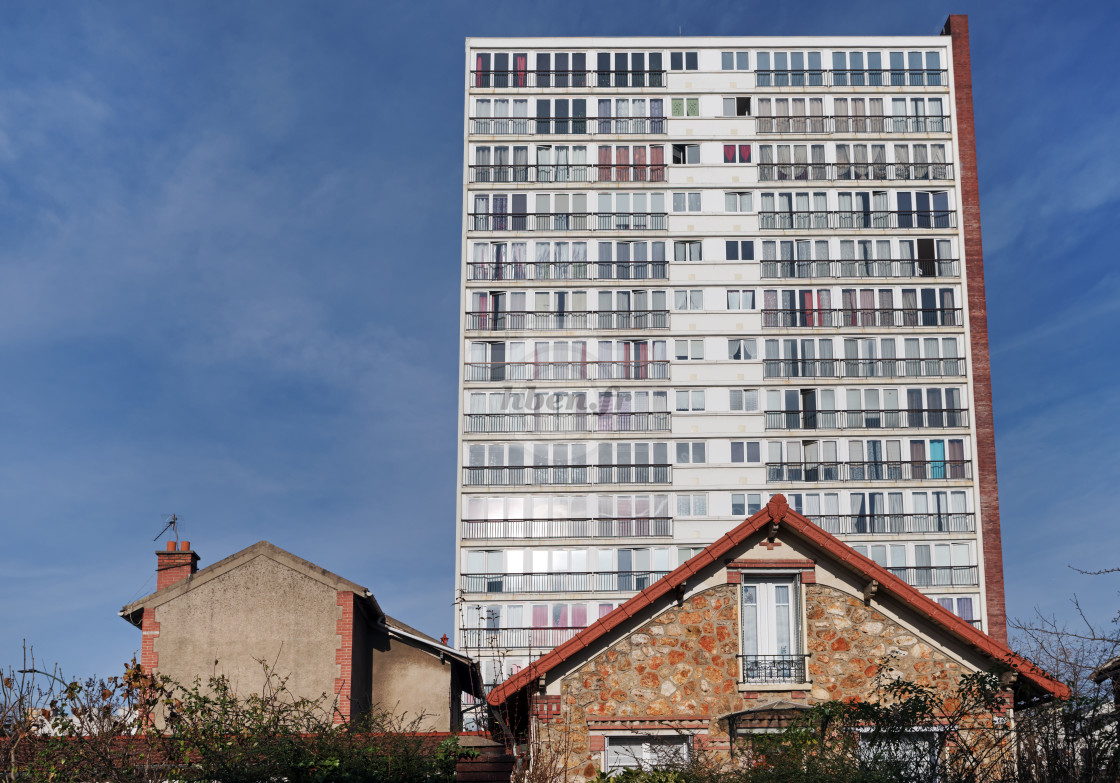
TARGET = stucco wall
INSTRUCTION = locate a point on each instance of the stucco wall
(411, 682)
(259, 610)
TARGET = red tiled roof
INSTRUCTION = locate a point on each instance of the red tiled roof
(778, 511)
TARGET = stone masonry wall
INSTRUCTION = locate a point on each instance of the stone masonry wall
(681, 669)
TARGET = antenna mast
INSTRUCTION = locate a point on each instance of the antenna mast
(171, 523)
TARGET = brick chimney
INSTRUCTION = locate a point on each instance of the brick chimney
(175, 564)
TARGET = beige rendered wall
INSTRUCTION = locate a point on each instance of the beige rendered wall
(412, 682)
(259, 610)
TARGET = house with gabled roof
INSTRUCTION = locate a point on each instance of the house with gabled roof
(324, 633)
(773, 617)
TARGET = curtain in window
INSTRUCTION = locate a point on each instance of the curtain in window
(816, 115)
(840, 109)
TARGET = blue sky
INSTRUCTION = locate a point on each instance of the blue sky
(229, 261)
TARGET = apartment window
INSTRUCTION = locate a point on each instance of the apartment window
(688, 300)
(739, 250)
(738, 201)
(684, 61)
(737, 106)
(686, 202)
(743, 504)
(742, 350)
(736, 153)
(692, 453)
(740, 299)
(646, 751)
(744, 399)
(961, 606)
(690, 400)
(746, 451)
(771, 614)
(685, 107)
(687, 251)
(733, 61)
(686, 153)
(692, 505)
(684, 350)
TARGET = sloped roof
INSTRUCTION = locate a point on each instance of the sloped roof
(259, 549)
(777, 511)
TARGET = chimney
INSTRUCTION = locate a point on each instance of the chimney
(175, 564)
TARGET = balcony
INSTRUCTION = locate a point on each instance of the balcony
(866, 419)
(895, 524)
(862, 317)
(547, 475)
(570, 221)
(819, 124)
(567, 126)
(566, 422)
(764, 669)
(536, 174)
(526, 78)
(569, 270)
(877, 219)
(863, 368)
(515, 638)
(937, 576)
(602, 527)
(568, 371)
(851, 268)
(512, 320)
(566, 582)
(928, 470)
(853, 172)
(878, 77)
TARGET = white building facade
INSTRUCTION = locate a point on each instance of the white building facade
(701, 271)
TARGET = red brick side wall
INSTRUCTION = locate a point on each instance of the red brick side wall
(149, 630)
(957, 28)
(344, 657)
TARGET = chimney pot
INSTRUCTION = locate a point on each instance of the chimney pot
(184, 546)
(170, 546)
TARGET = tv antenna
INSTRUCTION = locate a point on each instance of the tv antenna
(172, 524)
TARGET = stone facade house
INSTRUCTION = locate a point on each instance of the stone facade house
(326, 634)
(775, 616)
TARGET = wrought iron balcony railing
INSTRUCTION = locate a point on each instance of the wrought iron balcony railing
(877, 77)
(866, 419)
(937, 576)
(568, 126)
(773, 668)
(863, 317)
(818, 123)
(566, 474)
(569, 270)
(516, 638)
(853, 172)
(863, 368)
(875, 219)
(527, 77)
(892, 524)
(648, 421)
(512, 320)
(602, 527)
(845, 268)
(927, 470)
(570, 221)
(565, 582)
(557, 173)
(568, 371)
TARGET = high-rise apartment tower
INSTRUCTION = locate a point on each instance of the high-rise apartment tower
(701, 271)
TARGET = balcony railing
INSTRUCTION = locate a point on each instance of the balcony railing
(654, 172)
(568, 126)
(863, 368)
(570, 221)
(877, 219)
(566, 474)
(879, 77)
(567, 422)
(512, 320)
(569, 270)
(854, 172)
(928, 470)
(818, 123)
(866, 419)
(566, 582)
(515, 638)
(937, 576)
(773, 668)
(602, 527)
(891, 524)
(863, 317)
(567, 371)
(844, 268)
(582, 78)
